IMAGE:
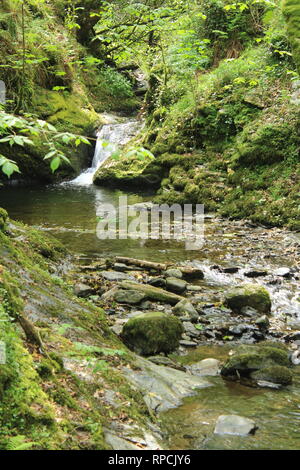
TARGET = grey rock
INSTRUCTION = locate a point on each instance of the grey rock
(83, 290)
(129, 296)
(206, 367)
(185, 308)
(173, 272)
(187, 344)
(157, 282)
(163, 387)
(235, 425)
(115, 276)
(255, 273)
(263, 322)
(190, 330)
(178, 286)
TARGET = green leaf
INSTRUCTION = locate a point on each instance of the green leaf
(9, 168)
(55, 163)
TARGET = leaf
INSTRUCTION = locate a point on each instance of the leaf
(55, 163)
(9, 168)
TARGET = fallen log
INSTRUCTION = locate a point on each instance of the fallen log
(141, 263)
(152, 293)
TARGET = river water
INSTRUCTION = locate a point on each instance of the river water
(69, 212)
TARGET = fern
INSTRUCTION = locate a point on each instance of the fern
(19, 443)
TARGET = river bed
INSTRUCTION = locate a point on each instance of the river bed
(70, 214)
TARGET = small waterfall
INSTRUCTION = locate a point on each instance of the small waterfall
(113, 135)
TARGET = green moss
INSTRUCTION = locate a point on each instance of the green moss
(275, 374)
(3, 218)
(291, 10)
(248, 295)
(152, 333)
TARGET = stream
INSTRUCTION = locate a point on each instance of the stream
(69, 212)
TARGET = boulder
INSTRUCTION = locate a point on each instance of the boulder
(185, 308)
(235, 425)
(249, 359)
(248, 295)
(152, 333)
(274, 374)
(176, 285)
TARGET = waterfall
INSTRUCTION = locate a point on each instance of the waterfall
(113, 135)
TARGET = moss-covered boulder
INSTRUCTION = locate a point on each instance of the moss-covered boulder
(250, 359)
(274, 374)
(152, 333)
(248, 295)
(3, 218)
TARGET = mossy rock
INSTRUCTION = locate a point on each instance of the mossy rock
(152, 333)
(6, 375)
(248, 295)
(3, 218)
(275, 374)
(253, 358)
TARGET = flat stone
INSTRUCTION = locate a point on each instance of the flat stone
(152, 293)
(163, 387)
(115, 276)
(188, 344)
(129, 296)
(206, 367)
(230, 270)
(235, 425)
(190, 329)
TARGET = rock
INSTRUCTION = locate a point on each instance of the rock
(230, 270)
(235, 425)
(152, 333)
(263, 322)
(129, 296)
(249, 359)
(249, 312)
(248, 295)
(205, 367)
(152, 293)
(188, 344)
(83, 290)
(173, 272)
(163, 387)
(193, 288)
(185, 308)
(165, 361)
(274, 374)
(115, 276)
(120, 267)
(157, 282)
(109, 295)
(238, 329)
(176, 285)
(283, 272)
(191, 273)
(190, 330)
(255, 273)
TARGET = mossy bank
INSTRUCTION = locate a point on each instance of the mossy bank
(61, 357)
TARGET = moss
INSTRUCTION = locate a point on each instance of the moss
(275, 374)
(248, 295)
(3, 218)
(291, 10)
(152, 333)
(47, 368)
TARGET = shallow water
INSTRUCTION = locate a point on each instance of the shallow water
(276, 413)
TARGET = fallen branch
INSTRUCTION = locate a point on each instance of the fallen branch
(141, 263)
